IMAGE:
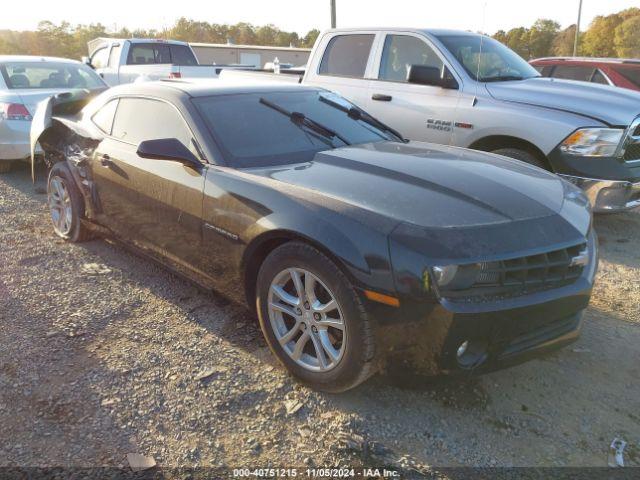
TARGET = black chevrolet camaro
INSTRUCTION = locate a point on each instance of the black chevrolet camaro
(358, 250)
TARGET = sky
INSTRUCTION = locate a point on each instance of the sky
(303, 15)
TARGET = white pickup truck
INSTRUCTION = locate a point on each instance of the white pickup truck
(120, 61)
(468, 90)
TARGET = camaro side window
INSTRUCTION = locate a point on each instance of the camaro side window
(162, 121)
(347, 56)
(402, 51)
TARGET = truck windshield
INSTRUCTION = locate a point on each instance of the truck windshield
(264, 129)
(487, 60)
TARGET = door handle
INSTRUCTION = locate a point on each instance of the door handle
(380, 97)
(105, 160)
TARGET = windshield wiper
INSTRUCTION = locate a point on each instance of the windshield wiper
(300, 119)
(358, 114)
(502, 78)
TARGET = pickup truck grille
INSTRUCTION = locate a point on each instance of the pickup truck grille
(631, 146)
(519, 276)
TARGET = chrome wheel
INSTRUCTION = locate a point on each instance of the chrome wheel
(306, 320)
(60, 206)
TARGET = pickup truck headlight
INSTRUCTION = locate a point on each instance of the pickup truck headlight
(455, 277)
(593, 142)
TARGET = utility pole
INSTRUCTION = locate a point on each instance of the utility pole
(333, 13)
(575, 43)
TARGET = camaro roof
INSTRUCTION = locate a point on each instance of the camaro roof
(34, 58)
(208, 87)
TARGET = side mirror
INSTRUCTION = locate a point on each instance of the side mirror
(170, 149)
(86, 61)
(425, 75)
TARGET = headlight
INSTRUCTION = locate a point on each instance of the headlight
(455, 277)
(593, 142)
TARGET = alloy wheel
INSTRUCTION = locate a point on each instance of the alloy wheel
(60, 206)
(306, 320)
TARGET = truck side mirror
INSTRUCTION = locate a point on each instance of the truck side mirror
(425, 75)
(87, 61)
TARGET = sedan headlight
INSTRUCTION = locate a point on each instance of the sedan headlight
(593, 142)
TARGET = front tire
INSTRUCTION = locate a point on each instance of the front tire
(521, 155)
(66, 206)
(313, 319)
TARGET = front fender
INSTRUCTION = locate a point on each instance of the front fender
(361, 252)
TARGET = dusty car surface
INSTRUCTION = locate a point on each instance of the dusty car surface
(357, 249)
(25, 81)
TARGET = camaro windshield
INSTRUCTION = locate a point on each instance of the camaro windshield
(261, 129)
(35, 75)
(486, 59)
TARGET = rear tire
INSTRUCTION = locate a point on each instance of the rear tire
(521, 155)
(66, 205)
(318, 330)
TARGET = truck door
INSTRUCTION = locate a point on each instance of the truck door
(344, 65)
(110, 72)
(420, 112)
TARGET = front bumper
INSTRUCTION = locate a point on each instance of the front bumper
(608, 195)
(426, 338)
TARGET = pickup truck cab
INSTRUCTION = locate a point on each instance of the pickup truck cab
(468, 90)
(120, 61)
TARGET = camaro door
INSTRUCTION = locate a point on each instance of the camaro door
(155, 203)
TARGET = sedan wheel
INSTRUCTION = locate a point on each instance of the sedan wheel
(60, 206)
(307, 320)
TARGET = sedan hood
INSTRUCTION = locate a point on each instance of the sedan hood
(613, 106)
(428, 185)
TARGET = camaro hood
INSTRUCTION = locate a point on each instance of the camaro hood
(429, 185)
(614, 106)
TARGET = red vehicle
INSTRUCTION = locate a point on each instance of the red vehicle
(607, 71)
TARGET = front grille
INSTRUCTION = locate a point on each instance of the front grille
(632, 142)
(519, 276)
(632, 152)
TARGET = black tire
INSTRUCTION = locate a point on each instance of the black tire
(521, 155)
(6, 166)
(76, 231)
(357, 362)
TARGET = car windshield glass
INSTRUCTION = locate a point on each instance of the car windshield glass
(251, 133)
(486, 59)
(34, 75)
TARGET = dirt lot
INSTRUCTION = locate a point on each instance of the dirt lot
(102, 354)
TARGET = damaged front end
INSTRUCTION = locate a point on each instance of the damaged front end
(58, 130)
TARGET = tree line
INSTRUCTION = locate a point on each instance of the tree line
(66, 40)
(615, 35)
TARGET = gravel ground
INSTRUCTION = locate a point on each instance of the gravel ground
(103, 353)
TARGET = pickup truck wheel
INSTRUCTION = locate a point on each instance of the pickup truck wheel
(66, 205)
(521, 155)
(313, 319)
